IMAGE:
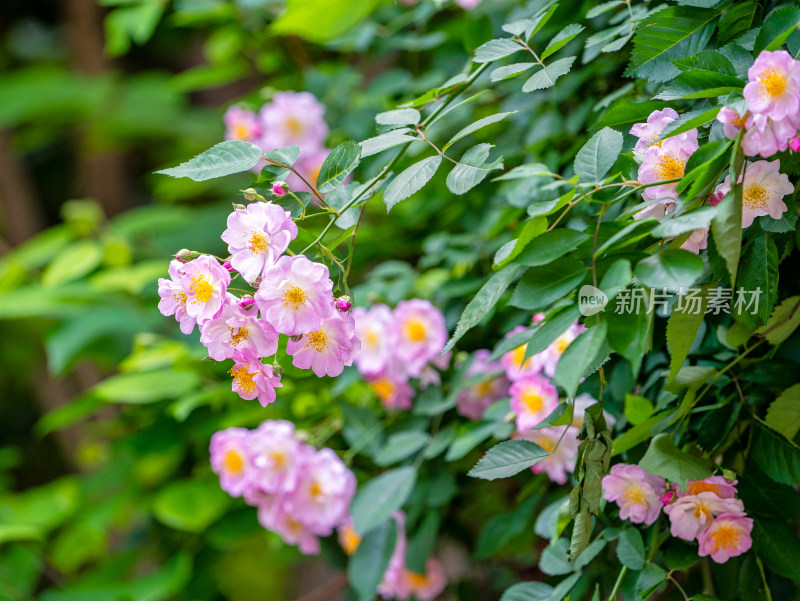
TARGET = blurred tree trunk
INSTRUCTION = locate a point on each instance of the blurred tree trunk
(21, 214)
(102, 173)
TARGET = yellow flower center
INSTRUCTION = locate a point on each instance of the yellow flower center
(695, 488)
(519, 356)
(295, 126)
(315, 491)
(669, 167)
(773, 83)
(316, 340)
(561, 345)
(726, 537)
(383, 387)
(755, 197)
(278, 459)
(547, 444)
(258, 243)
(243, 379)
(371, 338)
(739, 121)
(701, 509)
(416, 581)
(415, 331)
(238, 336)
(293, 526)
(532, 401)
(294, 297)
(180, 298)
(233, 462)
(349, 539)
(241, 131)
(484, 388)
(200, 289)
(633, 495)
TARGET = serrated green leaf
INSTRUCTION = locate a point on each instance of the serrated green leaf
(287, 155)
(473, 127)
(338, 165)
(410, 181)
(385, 141)
(783, 322)
(673, 269)
(542, 286)
(509, 71)
(226, 158)
(577, 358)
(689, 120)
(778, 546)
(603, 8)
(664, 459)
(508, 458)
(701, 84)
(472, 169)
(736, 21)
(598, 155)
(777, 27)
(511, 249)
(398, 117)
(550, 246)
(495, 49)
(630, 549)
(783, 414)
(682, 327)
(549, 74)
(726, 230)
(561, 39)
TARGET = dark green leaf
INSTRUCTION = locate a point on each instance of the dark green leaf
(542, 286)
(508, 458)
(577, 358)
(549, 74)
(598, 155)
(630, 549)
(495, 49)
(338, 165)
(379, 498)
(664, 459)
(366, 568)
(673, 269)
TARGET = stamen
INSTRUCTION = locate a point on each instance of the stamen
(200, 289)
(316, 340)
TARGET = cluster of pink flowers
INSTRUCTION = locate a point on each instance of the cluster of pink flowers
(291, 118)
(534, 397)
(398, 581)
(300, 492)
(293, 297)
(400, 344)
(707, 512)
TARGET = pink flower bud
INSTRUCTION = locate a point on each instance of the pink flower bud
(184, 255)
(227, 265)
(247, 302)
(343, 303)
(715, 198)
(668, 497)
(794, 144)
(279, 188)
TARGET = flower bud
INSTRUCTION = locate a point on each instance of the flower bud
(668, 497)
(279, 188)
(277, 371)
(250, 194)
(715, 199)
(343, 303)
(794, 144)
(185, 255)
(227, 265)
(237, 207)
(247, 302)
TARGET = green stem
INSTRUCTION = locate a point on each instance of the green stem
(767, 592)
(613, 595)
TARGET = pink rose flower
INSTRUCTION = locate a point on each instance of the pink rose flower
(665, 163)
(649, 132)
(533, 398)
(293, 118)
(691, 514)
(205, 283)
(256, 236)
(173, 297)
(274, 515)
(253, 379)
(431, 584)
(763, 190)
(561, 460)
(732, 122)
(773, 87)
(328, 349)
(764, 136)
(472, 402)
(420, 334)
(466, 5)
(374, 327)
(234, 331)
(295, 295)
(637, 493)
(726, 537)
(392, 389)
(277, 457)
(229, 460)
(241, 124)
(719, 485)
(697, 241)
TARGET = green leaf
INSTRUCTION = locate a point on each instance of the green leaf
(542, 286)
(495, 49)
(726, 229)
(663, 36)
(385, 141)
(366, 568)
(682, 327)
(470, 437)
(76, 261)
(759, 269)
(736, 21)
(603, 7)
(226, 158)
(287, 155)
(637, 409)
(701, 84)
(624, 113)
(550, 329)
(711, 61)
(321, 21)
(190, 505)
(630, 549)
(578, 356)
(664, 459)
(630, 334)
(401, 445)
(508, 458)
(483, 302)
(473, 127)
(398, 117)
(525, 172)
(598, 155)
(617, 277)
(509, 71)
(777, 457)
(362, 429)
(689, 120)
(550, 246)
(338, 165)
(472, 169)
(410, 181)
(783, 414)
(672, 269)
(562, 38)
(146, 387)
(380, 497)
(549, 74)
(511, 249)
(636, 435)
(783, 322)
(778, 26)
(778, 546)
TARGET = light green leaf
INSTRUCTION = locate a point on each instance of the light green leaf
(511, 249)
(473, 127)
(509, 71)
(74, 262)
(637, 408)
(146, 387)
(549, 74)
(726, 228)
(508, 458)
(226, 158)
(381, 497)
(603, 7)
(525, 172)
(385, 141)
(401, 445)
(322, 21)
(671, 227)
(672, 269)
(550, 246)
(630, 549)
(338, 165)
(664, 459)
(190, 505)
(783, 322)
(562, 38)
(398, 117)
(495, 49)
(689, 120)
(366, 568)
(682, 327)
(598, 155)
(783, 414)
(410, 181)
(578, 357)
(483, 302)
(472, 169)
(287, 155)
